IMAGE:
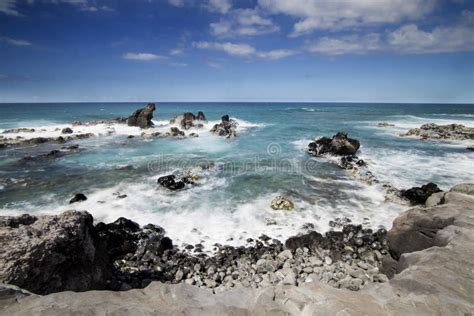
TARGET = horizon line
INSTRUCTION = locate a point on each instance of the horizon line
(315, 102)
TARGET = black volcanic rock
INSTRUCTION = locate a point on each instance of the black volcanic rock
(339, 145)
(419, 195)
(79, 197)
(142, 117)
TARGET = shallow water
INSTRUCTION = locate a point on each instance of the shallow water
(231, 200)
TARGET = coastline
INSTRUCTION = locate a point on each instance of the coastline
(428, 249)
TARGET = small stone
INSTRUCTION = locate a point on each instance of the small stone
(382, 278)
(179, 275)
(190, 281)
(290, 278)
(363, 265)
(315, 261)
(285, 254)
(197, 267)
(327, 260)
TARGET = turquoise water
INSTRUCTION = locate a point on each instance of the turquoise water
(230, 202)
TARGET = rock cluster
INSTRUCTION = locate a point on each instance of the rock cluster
(281, 203)
(173, 183)
(442, 132)
(142, 117)
(188, 120)
(226, 128)
(7, 142)
(419, 195)
(339, 145)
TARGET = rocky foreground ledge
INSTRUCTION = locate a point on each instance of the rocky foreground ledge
(429, 263)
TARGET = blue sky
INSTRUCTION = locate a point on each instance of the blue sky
(230, 50)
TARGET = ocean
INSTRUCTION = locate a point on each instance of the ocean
(231, 200)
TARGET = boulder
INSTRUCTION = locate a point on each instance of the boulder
(466, 188)
(78, 197)
(339, 145)
(142, 117)
(200, 116)
(419, 195)
(171, 182)
(48, 254)
(67, 130)
(470, 148)
(281, 203)
(227, 128)
(174, 131)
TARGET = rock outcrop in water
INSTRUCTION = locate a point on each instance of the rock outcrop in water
(442, 132)
(173, 183)
(142, 117)
(431, 251)
(189, 120)
(339, 145)
(226, 128)
(419, 195)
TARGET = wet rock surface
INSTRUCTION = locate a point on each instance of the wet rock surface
(339, 145)
(425, 279)
(188, 120)
(442, 132)
(419, 195)
(226, 128)
(142, 117)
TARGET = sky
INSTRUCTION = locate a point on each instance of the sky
(237, 50)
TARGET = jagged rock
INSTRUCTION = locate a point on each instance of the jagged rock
(173, 183)
(442, 132)
(419, 195)
(67, 130)
(142, 117)
(227, 128)
(188, 120)
(281, 203)
(174, 131)
(78, 197)
(51, 253)
(339, 145)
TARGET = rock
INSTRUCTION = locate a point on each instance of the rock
(339, 145)
(327, 260)
(227, 128)
(419, 195)
(66, 130)
(188, 120)
(385, 124)
(52, 253)
(171, 182)
(442, 132)
(78, 197)
(435, 199)
(470, 148)
(142, 117)
(281, 203)
(290, 278)
(466, 188)
(285, 254)
(174, 131)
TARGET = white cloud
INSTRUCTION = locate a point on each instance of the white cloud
(142, 56)
(443, 39)
(176, 52)
(8, 7)
(353, 44)
(15, 42)
(244, 50)
(336, 15)
(176, 64)
(221, 6)
(243, 22)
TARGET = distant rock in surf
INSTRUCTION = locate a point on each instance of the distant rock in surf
(173, 183)
(226, 128)
(67, 130)
(470, 148)
(385, 124)
(281, 203)
(142, 117)
(419, 195)
(442, 132)
(79, 197)
(188, 120)
(339, 145)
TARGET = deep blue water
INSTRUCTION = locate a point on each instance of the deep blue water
(232, 199)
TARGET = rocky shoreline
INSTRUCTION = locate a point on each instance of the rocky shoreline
(67, 252)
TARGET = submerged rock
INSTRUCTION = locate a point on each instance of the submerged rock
(226, 128)
(385, 124)
(78, 197)
(281, 203)
(142, 117)
(339, 145)
(442, 132)
(419, 195)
